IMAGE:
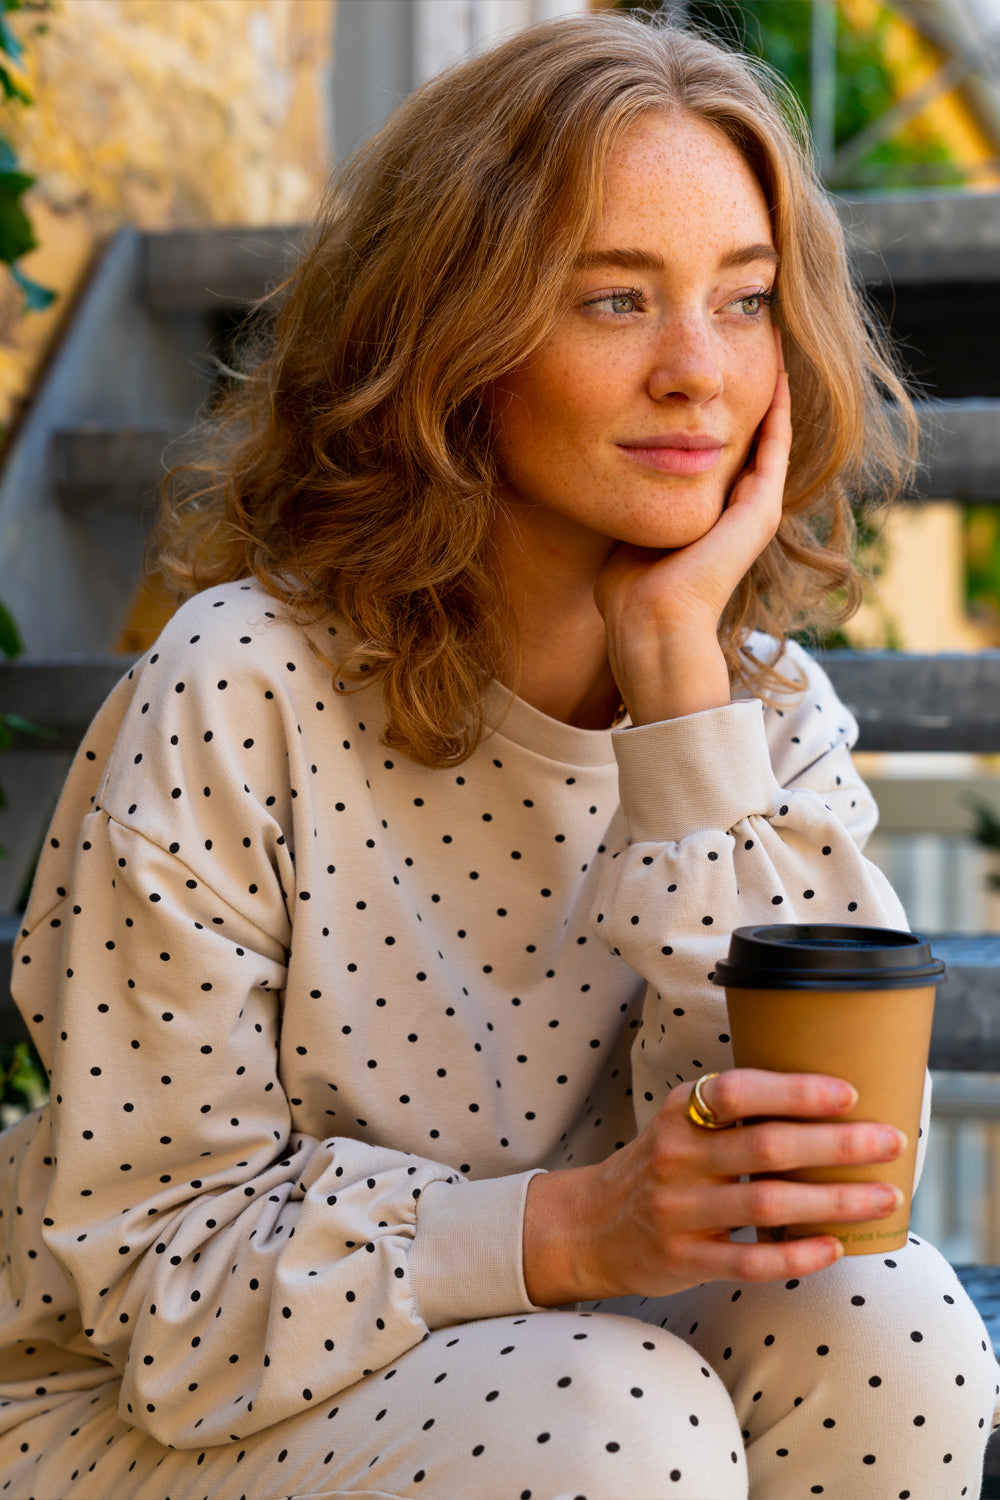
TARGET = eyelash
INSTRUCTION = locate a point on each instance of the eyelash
(767, 300)
(636, 294)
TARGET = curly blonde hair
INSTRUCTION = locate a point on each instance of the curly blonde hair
(351, 471)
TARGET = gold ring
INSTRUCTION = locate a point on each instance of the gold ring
(702, 1114)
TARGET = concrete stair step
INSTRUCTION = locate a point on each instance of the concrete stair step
(103, 466)
(106, 467)
(902, 700)
(934, 236)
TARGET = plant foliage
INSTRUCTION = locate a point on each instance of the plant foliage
(780, 31)
(16, 234)
(22, 1077)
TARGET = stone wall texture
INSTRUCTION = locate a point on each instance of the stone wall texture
(159, 113)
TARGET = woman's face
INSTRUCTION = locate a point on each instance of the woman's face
(633, 421)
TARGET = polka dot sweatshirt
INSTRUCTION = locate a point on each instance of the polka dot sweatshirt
(315, 1014)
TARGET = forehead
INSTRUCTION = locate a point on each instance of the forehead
(675, 174)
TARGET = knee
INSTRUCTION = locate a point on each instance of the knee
(649, 1415)
(909, 1317)
(641, 1373)
(892, 1333)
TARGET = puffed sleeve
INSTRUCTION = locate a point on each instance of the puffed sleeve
(737, 815)
(234, 1269)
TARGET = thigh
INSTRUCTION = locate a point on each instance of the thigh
(875, 1376)
(548, 1406)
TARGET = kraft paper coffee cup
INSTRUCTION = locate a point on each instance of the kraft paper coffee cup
(854, 1002)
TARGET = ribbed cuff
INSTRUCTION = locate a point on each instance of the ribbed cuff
(466, 1261)
(705, 770)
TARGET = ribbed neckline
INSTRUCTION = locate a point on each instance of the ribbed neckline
(511, 718)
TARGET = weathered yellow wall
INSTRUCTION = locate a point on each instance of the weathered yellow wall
(167, 112)
(917, 601)
(160, 113)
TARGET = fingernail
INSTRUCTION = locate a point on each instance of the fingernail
(888, 1197)
(891, 1142)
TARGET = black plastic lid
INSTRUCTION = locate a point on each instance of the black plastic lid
(813, 956)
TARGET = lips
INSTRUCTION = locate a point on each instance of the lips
(675, 452)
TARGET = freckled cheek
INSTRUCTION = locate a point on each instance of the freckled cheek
(752, 391)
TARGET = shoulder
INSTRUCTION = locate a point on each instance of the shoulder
(809, 710)
(234, 638)
(232, 683)
(805, 675)
(224, 618)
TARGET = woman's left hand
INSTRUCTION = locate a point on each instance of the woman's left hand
(662, 609)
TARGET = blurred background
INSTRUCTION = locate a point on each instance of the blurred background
(156, 158)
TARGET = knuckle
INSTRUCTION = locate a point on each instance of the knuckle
(764, 1199)
(801, 1092)
(846, 1200)
(725, 1095)
(769, 1145)
(748, 1264)
(663, 1155)
(844, 1146)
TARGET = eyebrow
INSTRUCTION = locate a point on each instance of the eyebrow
(627, 258)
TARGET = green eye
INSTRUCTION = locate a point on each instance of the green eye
(622, 303)
(752, 306)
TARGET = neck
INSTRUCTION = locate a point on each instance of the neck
(562, 668)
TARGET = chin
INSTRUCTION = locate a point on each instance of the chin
(677, 532)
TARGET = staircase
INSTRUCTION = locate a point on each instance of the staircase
(77, 496)
(77, 491)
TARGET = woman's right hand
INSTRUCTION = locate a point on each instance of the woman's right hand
(655, 1217)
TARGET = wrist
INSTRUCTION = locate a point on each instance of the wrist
(673, 680)
(558, 1215)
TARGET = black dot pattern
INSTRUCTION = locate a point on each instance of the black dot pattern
(829, 1384)
(779, 839)
(313, 1016)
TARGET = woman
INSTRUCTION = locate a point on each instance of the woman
(370, 964)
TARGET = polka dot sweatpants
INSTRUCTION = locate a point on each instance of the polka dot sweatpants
(873, 1379)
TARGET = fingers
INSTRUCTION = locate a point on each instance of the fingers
(726, 1261)
(775, 438)
(792, 1124)
(764, 475)
(772, 1201)
(777, 1146)
(744, 1093)
(766, 471)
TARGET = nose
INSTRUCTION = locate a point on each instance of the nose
(684, 364)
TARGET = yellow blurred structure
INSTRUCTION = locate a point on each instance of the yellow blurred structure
(920, 592)
(919, 67)
(159, 114)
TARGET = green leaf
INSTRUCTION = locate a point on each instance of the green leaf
(22, 1073)
(9, 43)
(8, 156)
(16, 235)
(21, 725)
(986, 829)
(36, 297)
(14, 182)
(11, 89)
(11, 643)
